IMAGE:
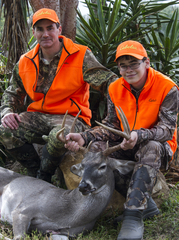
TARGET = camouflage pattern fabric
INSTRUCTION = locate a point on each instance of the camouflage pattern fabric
(149, 159)
(34, 125)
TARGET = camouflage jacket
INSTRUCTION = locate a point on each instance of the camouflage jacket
(15, 99)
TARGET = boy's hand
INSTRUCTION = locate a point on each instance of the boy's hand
(74, 141)
(129, 144)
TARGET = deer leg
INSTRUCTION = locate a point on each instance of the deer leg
(21, 224)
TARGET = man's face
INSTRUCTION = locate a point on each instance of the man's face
(46, 33)
(134, 71)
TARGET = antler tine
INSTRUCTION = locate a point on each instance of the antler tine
(62, 138)
(120, 133)
(64, 119)
(124, 120)
(88, 147)
(126, 133)
(74, 122)
(110, 150)
(83, 149)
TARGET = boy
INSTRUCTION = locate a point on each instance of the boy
(149, 101)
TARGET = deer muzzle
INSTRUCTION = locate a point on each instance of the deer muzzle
(85, 188)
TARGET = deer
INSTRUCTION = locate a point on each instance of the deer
(29, 203)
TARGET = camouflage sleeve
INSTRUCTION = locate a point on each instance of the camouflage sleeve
(94, 73)
(13, 96)
(101, 134)
(164, 129)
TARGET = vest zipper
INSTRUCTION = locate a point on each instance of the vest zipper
(55, 76)
(57, 73)
(137, 108)
(75, 104)
(32, 59)
(135, 114)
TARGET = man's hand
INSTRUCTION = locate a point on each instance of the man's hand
(11, 120)
(129, 144)
(74, 141)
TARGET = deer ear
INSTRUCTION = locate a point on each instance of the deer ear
(77, 169)
(123, 166)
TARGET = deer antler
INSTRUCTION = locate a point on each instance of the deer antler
(125, 134)
(61, 131)
(60, 134)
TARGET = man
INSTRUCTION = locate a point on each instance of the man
(51, 78)
(149, 101)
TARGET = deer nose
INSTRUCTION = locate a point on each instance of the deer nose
(83, 186)
(86, 188)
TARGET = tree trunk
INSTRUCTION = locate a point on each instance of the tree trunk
(53, 4)
(66, 11)
(68, 17)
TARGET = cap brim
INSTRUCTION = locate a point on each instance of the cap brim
(44, 18)
(131, 54)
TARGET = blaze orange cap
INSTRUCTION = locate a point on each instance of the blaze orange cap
(45, 13)
(131, 48)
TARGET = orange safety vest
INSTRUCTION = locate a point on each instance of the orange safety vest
(143, 113)
(68, 91)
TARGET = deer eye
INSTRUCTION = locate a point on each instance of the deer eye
(102, 167)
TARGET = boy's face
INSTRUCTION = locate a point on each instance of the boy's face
(133, 70)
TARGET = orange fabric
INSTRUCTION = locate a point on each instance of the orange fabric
(131, 48)
(68, 90)
(45, 13)
(143, 114)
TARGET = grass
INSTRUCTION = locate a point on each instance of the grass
(162, 227)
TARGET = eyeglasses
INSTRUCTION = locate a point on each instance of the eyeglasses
(132, 66)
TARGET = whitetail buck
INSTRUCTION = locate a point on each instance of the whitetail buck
(33, 204)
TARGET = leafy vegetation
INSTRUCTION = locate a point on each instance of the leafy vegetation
(164, 47)
(110, 25)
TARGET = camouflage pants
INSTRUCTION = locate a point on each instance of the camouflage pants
(33, 126)
(137, 186)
